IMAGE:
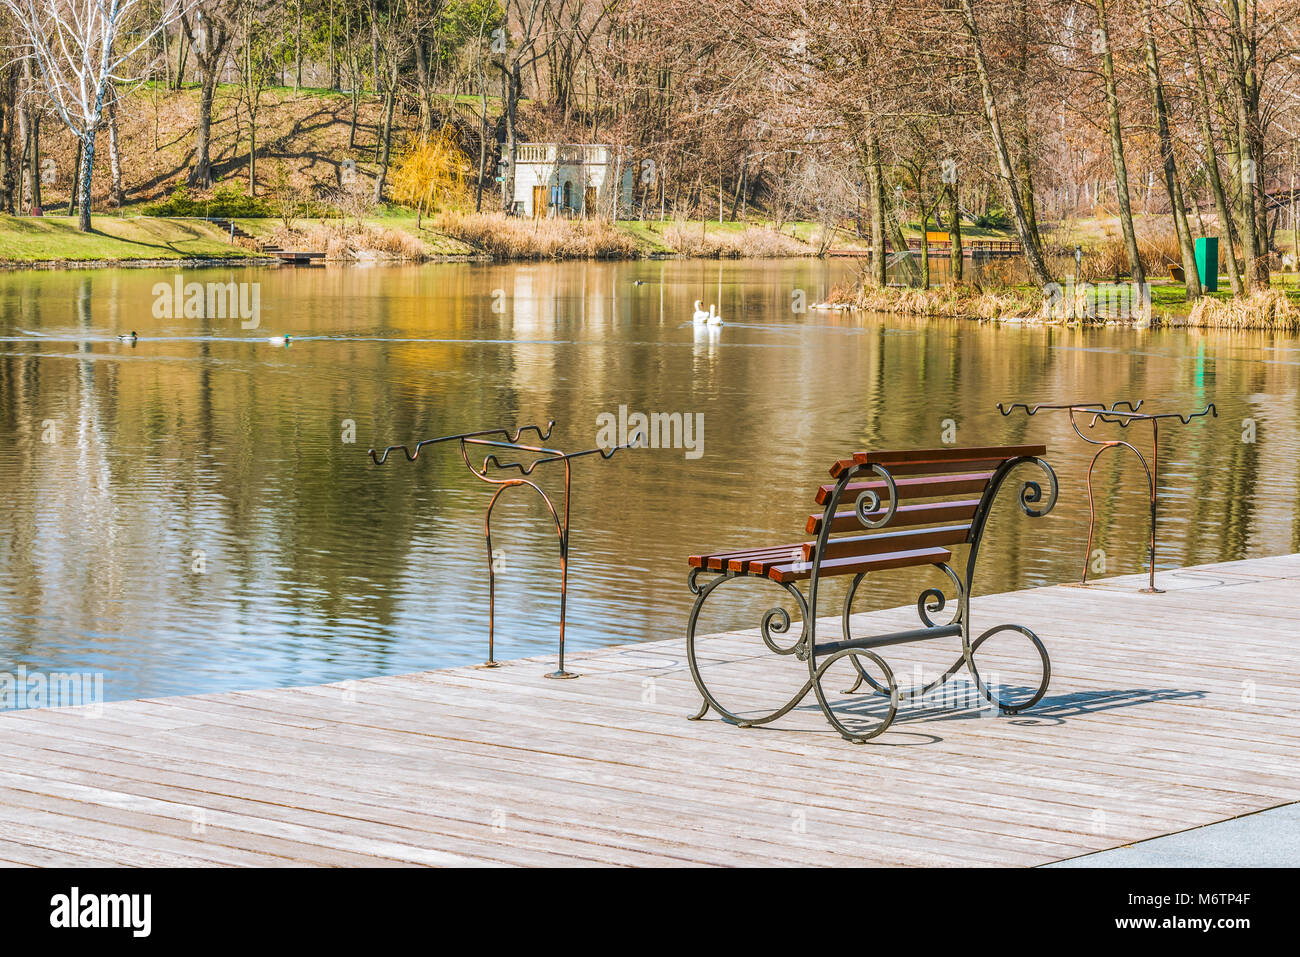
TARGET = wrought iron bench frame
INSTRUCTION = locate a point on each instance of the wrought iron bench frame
(870, 514)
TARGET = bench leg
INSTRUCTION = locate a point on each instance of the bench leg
(854, 734)
(776, 622)
(1007, 707)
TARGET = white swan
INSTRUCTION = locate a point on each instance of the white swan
(700, 314)
(715, 317)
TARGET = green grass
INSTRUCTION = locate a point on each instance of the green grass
(38, 239)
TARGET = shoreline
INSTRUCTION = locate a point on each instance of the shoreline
(202, 262)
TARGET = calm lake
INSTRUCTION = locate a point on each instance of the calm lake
(187, 514)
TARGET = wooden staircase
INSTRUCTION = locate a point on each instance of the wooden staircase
(235, 231)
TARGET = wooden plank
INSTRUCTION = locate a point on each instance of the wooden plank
(856, 564)
(921, 513)
(931, 487)
(892, 541)
(936, 459)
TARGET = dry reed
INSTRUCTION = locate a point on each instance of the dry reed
(507, 237)
(1268, 309)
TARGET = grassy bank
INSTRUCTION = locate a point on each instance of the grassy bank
(391, 233)
(36, 240)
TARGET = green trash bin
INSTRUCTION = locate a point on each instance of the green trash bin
(1207, 262)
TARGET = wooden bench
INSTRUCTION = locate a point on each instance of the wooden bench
(904, 509)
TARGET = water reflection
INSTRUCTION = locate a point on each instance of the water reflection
(185, 514)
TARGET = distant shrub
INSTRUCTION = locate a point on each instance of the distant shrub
(227, 200)
(995, 218)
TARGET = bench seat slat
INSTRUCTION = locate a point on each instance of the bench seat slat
(896, 541)
(923, 513)
(860, 563)
(717, 561)
(928, 487)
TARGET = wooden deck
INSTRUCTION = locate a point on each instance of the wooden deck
(1165, 712)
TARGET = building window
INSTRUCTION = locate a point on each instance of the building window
(568, 195)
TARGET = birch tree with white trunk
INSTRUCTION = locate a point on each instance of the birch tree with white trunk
(74, 47)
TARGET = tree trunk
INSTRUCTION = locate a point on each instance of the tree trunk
(1172, 186)
(182, 60)
(252, 153)
(911, 272)
(482, 150)
(1024, 166)
(1249, 171)
(1028, 238)
(8, 105)
(1117, 150)
(740, 188)
(925, 249)
(87, 164)
(386, 143)
(201, 173)
(29, 121)
(954, 233)
(1211, 153)
(334, 61)
(876, 194)
(117, 195)
(510, 83)
(75, 193)
(423, 90)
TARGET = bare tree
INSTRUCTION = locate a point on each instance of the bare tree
(74, 44)
(210, 26)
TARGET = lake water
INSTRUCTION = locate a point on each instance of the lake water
(185, 514)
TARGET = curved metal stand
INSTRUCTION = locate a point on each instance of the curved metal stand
(1114, 415)
(820, 657)
(504, 439)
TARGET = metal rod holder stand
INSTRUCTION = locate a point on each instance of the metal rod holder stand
(1123, 417)
(501, 439)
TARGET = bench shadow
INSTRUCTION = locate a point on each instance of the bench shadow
(869, 709)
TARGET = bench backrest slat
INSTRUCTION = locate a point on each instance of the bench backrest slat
(921, 513)
(928, 486)
(901, 540)
(958, 477)
(948, 457)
